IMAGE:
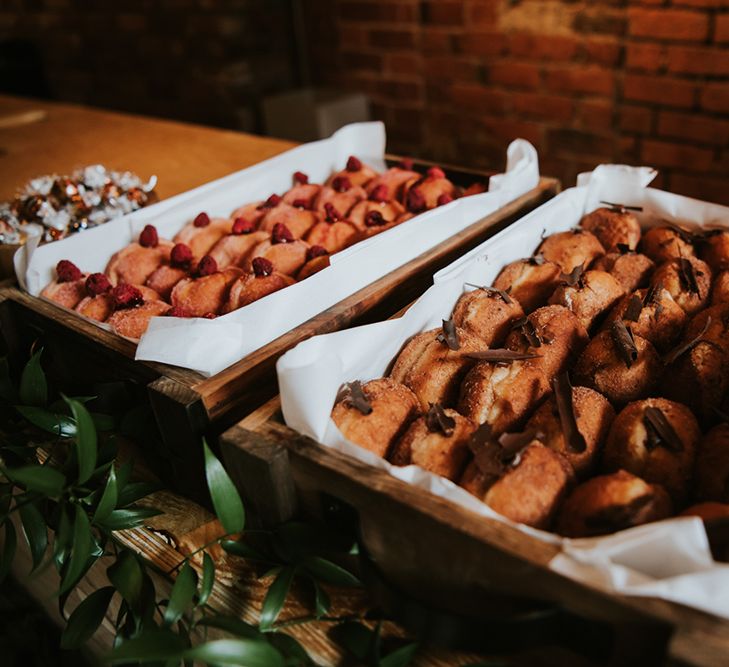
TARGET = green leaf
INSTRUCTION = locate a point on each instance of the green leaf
(226, 501)
(43, 479)
(128, 518)
(243, 550)
(208, 579)
(325, 570)
(51, 422)
(275, 597)
(356, 638)
(82, 550)
(125, 574)
(85, 440)
(322, 603)
(10, 544)
(400, 657)
(33, 385)
(103, 422)
(108, 498)
(36, 533)
(86, 618)
(293, 651)
(133, 491)
(231, 624)
(7, 389)
(157, 644)
(63, 538)
(181, 595)
(244, 652)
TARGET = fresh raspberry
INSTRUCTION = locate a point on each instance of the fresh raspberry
(262, 267)
(149, 237)
(332, 215)
(374, 219)
(67, 272)
(316, 251)
(301, 178)
(281, 234)
(353, 164)
(207, 266)
(177, 311)
(300, 203)
(444, 199)
(181, 256)
(406, 163)
(416, 201)
(380, 194)
(126, 296)
(341, 184)
(97, 283)
(209, 316)
(436, 172)
(273, 201)
(201, 220)
(243, 226)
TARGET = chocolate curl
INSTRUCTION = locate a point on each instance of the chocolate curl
(624, 248)
(353, 395)
(660, 432)
(493, 291)
(449, 336)
(563, 398)
(679, 351)
(485, 455)
(617, 517)
(513, 444)
(624, 343)
(634, 308)
(684, 234)
(529, 331)
(652, 298)
(574, 277)
(621, 208)
(438, 421)
(501, 356)
(687, 275)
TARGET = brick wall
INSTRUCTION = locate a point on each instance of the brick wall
(205, 61)
(642, 82)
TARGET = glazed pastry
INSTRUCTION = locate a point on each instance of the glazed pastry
(426, 192)
(620, 365)
(615, 228)
(487, 313)
(662, 244)
(651, 314)
(317, 259)
(253, 213)
(343, 198)
(203, 233)
(356, 172)
(687, 279)
(253, 286)
(297, 220)
(713, 246)
(303, 193)
(287, 254)
(587, 294)
(364, 213)
(553, 333)
(101, 302)
(433, 363)
(334, 233)
(610, 503)
(517, 477)
(234, 249)
(574, 422)
(69, 287)
(530, 281)
(567, 250)
(375, 414)
(390, 185)
(136, 262)
(712, 465)
(720, 289)
(437, 442)
(206, 293)
(632, 270)
(656, 440)
(133, 322)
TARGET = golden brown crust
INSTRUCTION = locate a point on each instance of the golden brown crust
(593, 414)
(671, 276)
(486, 315)
(632, 270)
(287, 258)
(68, 294)
(595, 293)
(430, 188)
(297, 220)
(134, 263)
(389, 210)
(202, 239)
(249, 288)
(333, 236)
(714, 249)
(601, 367)
(712, 465)
(343, 202)
(712, 324)
(613, 227)
(133, 322)
(97, 307)
(576, 247)
(201, 296)
(630, 447)
(610, 503)
(164, 278)
(431, 369)
(393, 179)
(313, 266)
(305, 192)
(360, 177)
(252, 212)
(441, 454)
(394, 406)
(665, 243)
(234, 249)
(720, 289)
(529, 283)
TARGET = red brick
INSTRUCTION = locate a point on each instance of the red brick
(635, 119)
(645, 56)
(481, 43)
(660, 90)
(701, 187)
(442, 12)
(508, 129)
(450, 68)
(361, 61)
(701, 129)
(603, 52)
(698, 60)
(404, 39)
(702, 3)
(596, 115)
(678, 24)
(581, 79)
(665, 154)
(475, 99)
(537, 46)
(721, 29)
(566, 141)
(514, 75)
(483, 12)
(600, 22)
(403, 63)
(715, 97)
(391, 12)
(436, 41)
(400, 90)
(352, 35)
(545, 107)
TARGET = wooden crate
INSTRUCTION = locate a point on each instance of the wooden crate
(186, 404)
(446, 556)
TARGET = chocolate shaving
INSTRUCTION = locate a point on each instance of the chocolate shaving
(437, 420)
(624, 343)
(493, 291)
(634, 308)
(485, 455)
(501, 356)
(660, 432)
(624, 248)
(617, 517)
(652, 298)
(574, 277)
(529, 331)
(682, 233)
(535, 260)
(687, 276)
(621, 207)
(680, 350)
(449, 336)
(513, 444)
(353, 395)
(563, 398)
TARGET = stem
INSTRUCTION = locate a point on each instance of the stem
(197, 551)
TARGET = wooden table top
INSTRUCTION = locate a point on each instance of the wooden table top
(39, 137)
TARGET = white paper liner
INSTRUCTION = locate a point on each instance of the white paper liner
(209, 346)
(669, 559)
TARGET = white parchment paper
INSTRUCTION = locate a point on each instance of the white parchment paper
(669, 559)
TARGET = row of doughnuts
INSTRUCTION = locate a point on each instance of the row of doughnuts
(585, 392)
(215, 265)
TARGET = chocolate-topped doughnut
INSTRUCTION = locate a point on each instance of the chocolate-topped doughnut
(688, 279)
(614, 227)
(487, 313)
(530, 281)
(665, 243)
(588, 294)
(576, 247)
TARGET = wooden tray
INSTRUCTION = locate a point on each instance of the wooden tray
(187, 405)
(446, 556)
